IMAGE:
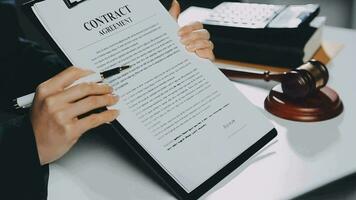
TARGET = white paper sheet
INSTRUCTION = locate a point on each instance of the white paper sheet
(180, 108)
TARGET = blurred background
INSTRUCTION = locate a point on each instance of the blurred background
(341, 13)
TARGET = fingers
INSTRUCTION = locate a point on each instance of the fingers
(190, 28)
(196, 39)
(80, 91)
(66, 78)
(206, 53)
(174, 11)
(91, 103)
(200, 44)
(95, 120)
(195, 35)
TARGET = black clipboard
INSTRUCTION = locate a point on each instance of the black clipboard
(166, 3)
(161, 173)
(70, 4)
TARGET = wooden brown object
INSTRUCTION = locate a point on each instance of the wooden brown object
(302, 94)
(326, 52)
(323, 105)
(297, 83)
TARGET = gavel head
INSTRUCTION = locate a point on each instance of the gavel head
(305, 80)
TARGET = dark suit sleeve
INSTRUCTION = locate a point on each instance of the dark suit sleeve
(22, 176)
(23, 66)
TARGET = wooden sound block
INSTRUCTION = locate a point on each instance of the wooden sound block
(323, 105)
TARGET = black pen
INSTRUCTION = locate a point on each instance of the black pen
(26, 101)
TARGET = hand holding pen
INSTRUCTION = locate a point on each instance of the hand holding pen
(56, 108)
(26, 101)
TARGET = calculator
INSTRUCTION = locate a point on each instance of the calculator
(259, 16)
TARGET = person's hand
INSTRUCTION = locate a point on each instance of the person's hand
(55, 111)
(194, 36)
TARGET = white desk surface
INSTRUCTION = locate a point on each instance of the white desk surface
(303, 157)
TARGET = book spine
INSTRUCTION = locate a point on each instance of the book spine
(259, 53)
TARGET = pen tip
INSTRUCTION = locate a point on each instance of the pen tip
(125, 67)
(114, 71)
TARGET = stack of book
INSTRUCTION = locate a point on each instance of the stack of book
(281, 46)
(276, 47)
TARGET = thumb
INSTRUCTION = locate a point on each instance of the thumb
(175, 9)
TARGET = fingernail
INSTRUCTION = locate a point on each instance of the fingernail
(116, 98)
(180, 32)
(190, 47)
(117, 113)
(110, 88)
(115, 116)
(88, 71)
(183, 40)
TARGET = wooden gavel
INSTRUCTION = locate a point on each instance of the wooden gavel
(297, 83)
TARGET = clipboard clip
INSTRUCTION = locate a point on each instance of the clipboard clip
(72, 3)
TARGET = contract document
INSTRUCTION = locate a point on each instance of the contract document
(179, 108)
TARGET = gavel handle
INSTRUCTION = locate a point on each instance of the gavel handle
(239, 74)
